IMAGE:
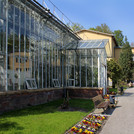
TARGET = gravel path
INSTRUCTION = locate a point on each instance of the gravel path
(122, 119)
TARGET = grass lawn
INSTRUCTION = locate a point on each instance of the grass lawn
(44, 119)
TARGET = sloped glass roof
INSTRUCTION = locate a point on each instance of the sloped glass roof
(87, 44)
(92, 44)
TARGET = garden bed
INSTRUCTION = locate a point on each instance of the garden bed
(91, 124)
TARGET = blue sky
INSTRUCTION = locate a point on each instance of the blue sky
(117, 14)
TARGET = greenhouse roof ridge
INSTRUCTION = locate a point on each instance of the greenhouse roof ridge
(51, 17)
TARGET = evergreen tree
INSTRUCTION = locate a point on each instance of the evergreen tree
(126, 61)
(119, 37)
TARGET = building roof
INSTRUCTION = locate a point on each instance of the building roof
(97, 32)
(87, 44)
(120, 47)
(90, 44)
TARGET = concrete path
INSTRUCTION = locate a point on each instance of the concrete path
(122, 119)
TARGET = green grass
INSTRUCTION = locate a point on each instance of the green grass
(44, 119)
(113, 90)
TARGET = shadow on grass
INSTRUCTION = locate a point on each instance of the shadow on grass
(51, 107)
(7, 125)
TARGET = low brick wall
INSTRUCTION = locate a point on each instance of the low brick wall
(84, 92)
(21, 99)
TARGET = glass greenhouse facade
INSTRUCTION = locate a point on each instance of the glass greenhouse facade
(86, 64)
(34, 44)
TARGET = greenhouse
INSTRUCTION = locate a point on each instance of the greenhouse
(38, 51)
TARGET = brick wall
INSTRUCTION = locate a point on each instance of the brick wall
(21, 99)
(24, 98)
(84, 92)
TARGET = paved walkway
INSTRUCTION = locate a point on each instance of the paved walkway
(122, 119)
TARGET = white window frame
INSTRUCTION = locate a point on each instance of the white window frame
(56, 83)
(32, 85)
(71, 82)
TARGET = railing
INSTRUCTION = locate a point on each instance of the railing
(57, 12)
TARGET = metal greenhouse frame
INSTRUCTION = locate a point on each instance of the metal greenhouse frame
(86, 64)
(36, 45)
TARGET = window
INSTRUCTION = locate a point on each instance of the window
(56, 83)
(16, 60)
(31, 83)
(26, 59)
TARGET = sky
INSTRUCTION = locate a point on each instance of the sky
(117, 14)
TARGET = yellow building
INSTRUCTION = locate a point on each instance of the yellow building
(117, 52)
(23, 60)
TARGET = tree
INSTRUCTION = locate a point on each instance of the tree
(119, 37)
(114, 71)
(76, 27)
(102, 28)
(126, 61)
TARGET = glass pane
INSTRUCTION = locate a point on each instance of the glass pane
(2, 72)
(95, 77)
(89, 76)
(83, 69)
(30, 59)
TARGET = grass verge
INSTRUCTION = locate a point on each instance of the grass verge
(44, 119)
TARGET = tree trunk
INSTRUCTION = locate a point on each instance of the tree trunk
(113, 84)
